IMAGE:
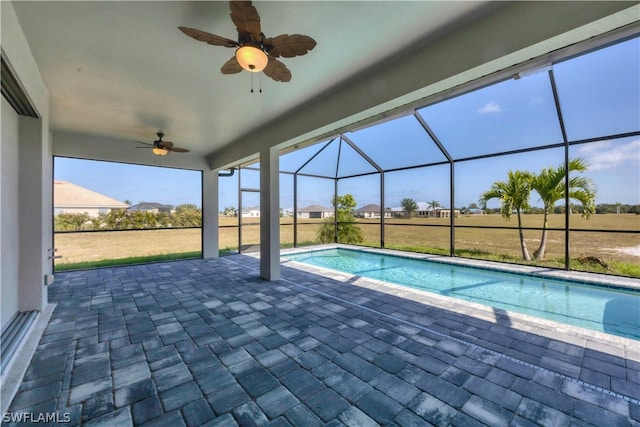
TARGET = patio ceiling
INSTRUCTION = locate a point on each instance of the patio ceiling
(123, 71)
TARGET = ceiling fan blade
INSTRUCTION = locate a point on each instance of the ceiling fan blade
(178, 150)
(141, 142)
(208, 38)
(165, 144)
(245, 16)
(231, 66)
(288, 46)
(277, 70)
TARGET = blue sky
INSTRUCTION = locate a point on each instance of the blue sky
(599, 95)
(132, 182)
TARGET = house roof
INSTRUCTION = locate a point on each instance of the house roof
(69, 195)
(315, 208)
(424, 206)
(149, 205)
(369, 208)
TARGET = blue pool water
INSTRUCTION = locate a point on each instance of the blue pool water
(611, 310)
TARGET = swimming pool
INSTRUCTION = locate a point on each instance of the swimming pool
(611, 310)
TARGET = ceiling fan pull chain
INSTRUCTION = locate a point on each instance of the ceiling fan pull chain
(260, 81)
(251, 82)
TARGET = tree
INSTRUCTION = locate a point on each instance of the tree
(433, 205)
(550, 186)
(467, 210)
(142, 219)
(71, 221)
(163, 220)
(229, 211)
(514, 196)
(409, 206)
(116, 219)
(96, 222)
(187, 215)
(348, 232)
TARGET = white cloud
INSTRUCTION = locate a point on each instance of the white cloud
(490, 107)
(595, 147)
(605, 155)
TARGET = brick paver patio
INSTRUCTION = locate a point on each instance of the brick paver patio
(209, 343)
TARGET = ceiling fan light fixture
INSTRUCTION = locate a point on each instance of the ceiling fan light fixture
(160, 151)
(251, 58)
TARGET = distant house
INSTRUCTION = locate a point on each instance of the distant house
(475, 212)
(426, 211)
(151, 207)
(253, 212)
(371, 211)
(397, 212)
(446, 213)
(315, 211)
(73, 199)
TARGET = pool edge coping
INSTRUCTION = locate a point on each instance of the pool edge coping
(598, 279)
(445, 302)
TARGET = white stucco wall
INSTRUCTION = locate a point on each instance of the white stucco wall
(27, 194)
(8, 213)
(210, 200)
(35, 211)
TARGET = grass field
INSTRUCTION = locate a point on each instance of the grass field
(97, 246)
(422, 234)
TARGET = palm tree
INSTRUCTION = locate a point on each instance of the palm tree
(513, 195)
(549, 184)
(433, 205)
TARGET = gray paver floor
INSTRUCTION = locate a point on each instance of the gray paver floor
(207, 342)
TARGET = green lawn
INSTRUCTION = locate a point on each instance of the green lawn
(429, 235)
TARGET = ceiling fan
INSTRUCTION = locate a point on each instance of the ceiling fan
(162, 148)
(254, 51)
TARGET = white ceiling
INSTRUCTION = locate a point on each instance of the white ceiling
(119, 71)
(122, 70)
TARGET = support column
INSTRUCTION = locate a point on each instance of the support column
(210, 208)
(270, 214)
(35, 213)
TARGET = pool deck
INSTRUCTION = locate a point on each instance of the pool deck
(207, 342)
